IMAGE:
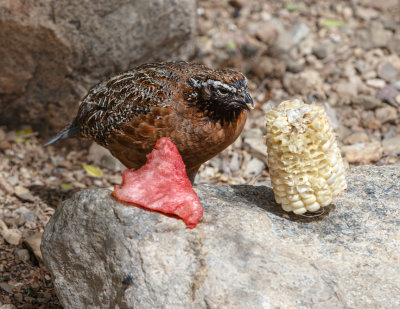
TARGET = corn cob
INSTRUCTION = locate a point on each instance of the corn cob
(304, 160)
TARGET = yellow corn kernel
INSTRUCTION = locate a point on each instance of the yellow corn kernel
(304, 160)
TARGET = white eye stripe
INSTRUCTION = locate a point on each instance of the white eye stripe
(217, 84)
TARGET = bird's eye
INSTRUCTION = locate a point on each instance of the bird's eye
(222, 91)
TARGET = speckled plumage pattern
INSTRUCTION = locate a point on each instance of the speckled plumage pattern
(202, 110)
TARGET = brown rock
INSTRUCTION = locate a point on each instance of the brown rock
(356, 137)
(391, 146)
(363, 153)
(23, 194)
(33, 243)
(267, 33)
(12, 236)
(5, 186)
(52, 51)
(269, 67)
(366, 101)
(303, 83)
(386, 114)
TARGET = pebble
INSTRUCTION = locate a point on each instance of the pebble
(12, 236)
(5, 186)
(254, 167)
(387, 71)
(366, 13)
(376, 83)
(386, 114)
(269, 67)
(394, 45)
(22, 255)
(299, 32)
(234, 164)
(267, 33)
(388, 94)
(321, 51)
(396, 84)
(8, 306)
(391, 146)
(363, 153)
(356, 137)
(346, 91)
(24, 194)
(367, 102)
(303, 82)
(33, 243)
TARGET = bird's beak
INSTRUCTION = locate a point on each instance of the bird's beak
(247, 100)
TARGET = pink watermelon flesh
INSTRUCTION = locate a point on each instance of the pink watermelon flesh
(162, 185)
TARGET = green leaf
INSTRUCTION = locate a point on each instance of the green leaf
(332, 23)
(65, 186)
(291, 7)
(231, 45)
(23, 132)
(92, 170)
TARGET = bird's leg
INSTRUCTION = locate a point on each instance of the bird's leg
(192, 173)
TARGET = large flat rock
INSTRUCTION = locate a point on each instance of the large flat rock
(245, 253)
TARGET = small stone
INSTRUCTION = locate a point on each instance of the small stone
(388, 94)
(387, 71)
(8, 306)
(299, 32)
(363, 153)
(346, 90)
(33, 243)
(22, 255)
(303, 82)
(396, 85)
(347, 13)
(12, 236)
(254, 167)
(386, 5)
(269, 67)
(376, 83)
(282, 45)
(391, 146)
(321, 51)
(366, 102)
(5, 186)
(374, 37)
(23, 194)
(356, 137)
(102, 157)
(257, 147)
(267, 33)
(367, 13)
(394, 45)
(234, 164)
(6, 287)
(386, 114)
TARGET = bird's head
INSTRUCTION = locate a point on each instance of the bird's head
(222, 95)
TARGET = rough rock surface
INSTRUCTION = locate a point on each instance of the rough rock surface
(52, 51)
(245, 253)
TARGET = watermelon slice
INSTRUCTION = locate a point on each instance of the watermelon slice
(162, 185)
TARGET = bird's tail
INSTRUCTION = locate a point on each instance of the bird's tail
(70, 130)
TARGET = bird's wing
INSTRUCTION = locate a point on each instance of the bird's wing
(119, 100)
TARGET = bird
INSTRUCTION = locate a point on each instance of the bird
(202, 110)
